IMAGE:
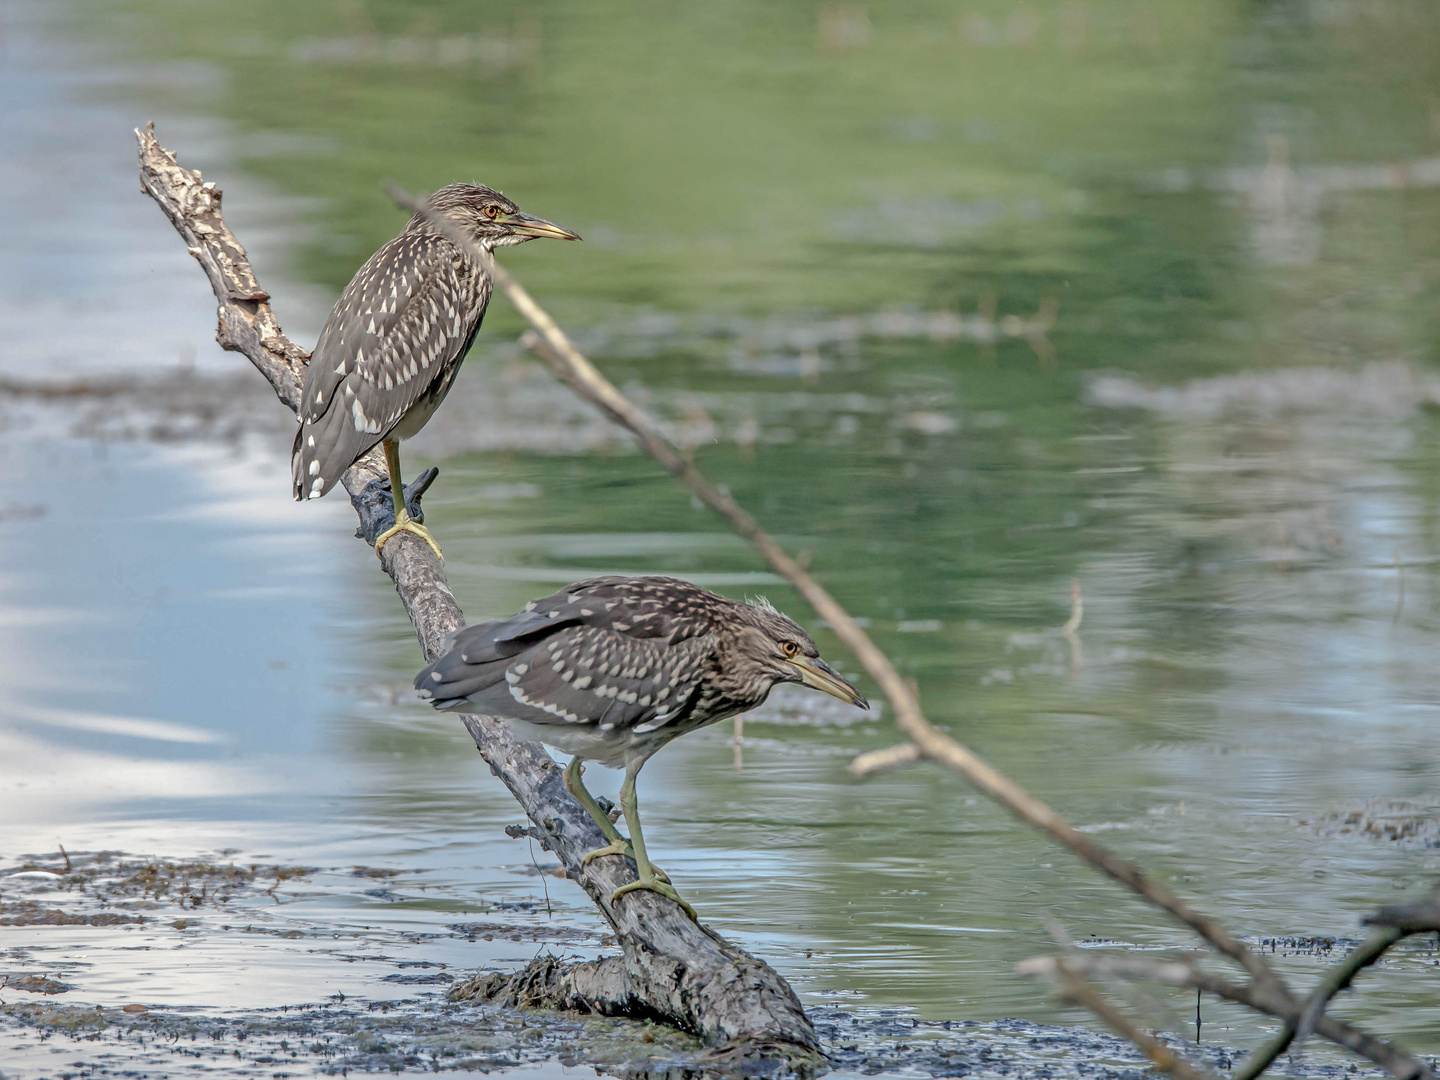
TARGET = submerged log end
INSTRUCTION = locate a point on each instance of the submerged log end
(607, 987)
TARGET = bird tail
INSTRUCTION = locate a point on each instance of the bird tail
(325, 446)
(297, 467)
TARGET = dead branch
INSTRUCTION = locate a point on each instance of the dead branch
(1075, 986)
(1336, 978)
(1389, 1057)
(873, 761)
(670, 967)
(555, 348)
(667, 971)
(1415, 918)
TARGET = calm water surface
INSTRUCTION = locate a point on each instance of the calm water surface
(819, 239)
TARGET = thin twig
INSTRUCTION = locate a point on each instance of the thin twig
(559, 353)
(1336, 979)
(1418, 917)
(1082, 991)
(1389, 1057)
(873, 761)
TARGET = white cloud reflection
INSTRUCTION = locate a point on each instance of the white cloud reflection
(101, 724)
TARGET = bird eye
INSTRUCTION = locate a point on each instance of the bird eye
(790, 648)
(491, 211)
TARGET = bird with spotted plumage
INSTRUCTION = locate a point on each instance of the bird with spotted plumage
(610, 669)
(394, 342)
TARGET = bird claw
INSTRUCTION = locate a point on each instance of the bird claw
(617, 847)
(375, 504)
(405, 523)
(656, 885)
(624, 848)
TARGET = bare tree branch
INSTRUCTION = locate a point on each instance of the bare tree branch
(670, 968)
(891, 757)
(1419, 917)
(1075, 986)
(556, 349)
(1389, 1057)
(1336, 978)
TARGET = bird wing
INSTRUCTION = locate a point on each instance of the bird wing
(391, 339)
(590, 675)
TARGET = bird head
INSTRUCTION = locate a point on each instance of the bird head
(774, 649)
(492, 219)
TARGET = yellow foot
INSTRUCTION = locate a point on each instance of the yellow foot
(616, 847)
(655, 885)
(406, 524)
(621, 847)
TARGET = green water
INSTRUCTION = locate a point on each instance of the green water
(1204, 189)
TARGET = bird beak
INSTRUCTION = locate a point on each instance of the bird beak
(815, 673)
(523, 224)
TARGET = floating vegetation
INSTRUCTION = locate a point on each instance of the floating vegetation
(1405, 824)
(112, 880)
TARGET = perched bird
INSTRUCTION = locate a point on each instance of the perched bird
(393, 345)
(612, 668)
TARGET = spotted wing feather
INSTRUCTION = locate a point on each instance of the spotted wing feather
(580, 675)
(610, 652)
(393, 341)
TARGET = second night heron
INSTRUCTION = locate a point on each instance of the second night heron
(612, 668)
(391, 348)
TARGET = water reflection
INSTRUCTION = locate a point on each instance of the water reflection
(963, 309)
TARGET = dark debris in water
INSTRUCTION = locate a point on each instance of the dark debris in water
(570, 935)
(426, 1036)
(433, 1030)
(111, 881)
(34, 984)
(1405, 824)
(29, 913)
(432, 1035)
(1305, 945)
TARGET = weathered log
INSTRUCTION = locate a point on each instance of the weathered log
(670, 967)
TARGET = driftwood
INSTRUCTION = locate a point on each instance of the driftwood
(670, 968)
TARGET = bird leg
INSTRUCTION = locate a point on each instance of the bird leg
(403, 521)
(618, 844)
(650, 878)
(576, 786)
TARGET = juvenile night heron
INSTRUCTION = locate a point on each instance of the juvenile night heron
(393, 345)
(612, 668)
